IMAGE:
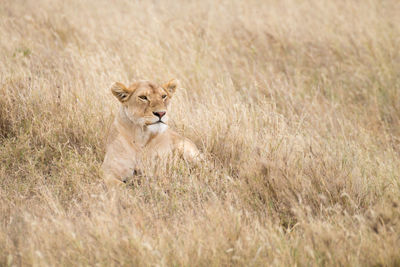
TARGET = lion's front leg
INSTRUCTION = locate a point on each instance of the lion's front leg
(189, 151)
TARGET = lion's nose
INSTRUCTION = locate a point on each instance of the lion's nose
(159, 114)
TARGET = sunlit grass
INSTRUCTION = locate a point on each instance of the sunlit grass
(295, 103)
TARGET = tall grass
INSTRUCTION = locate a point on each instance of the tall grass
(295, 103)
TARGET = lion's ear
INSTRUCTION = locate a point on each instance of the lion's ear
(121, 92)
(171, 86)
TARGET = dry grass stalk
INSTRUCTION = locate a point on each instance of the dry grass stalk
(310, 87)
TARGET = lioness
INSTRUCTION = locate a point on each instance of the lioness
(140, 129)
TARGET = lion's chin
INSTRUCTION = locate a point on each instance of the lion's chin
(157, 128)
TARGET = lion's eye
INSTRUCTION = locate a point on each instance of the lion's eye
(164, 96)
(143, 97)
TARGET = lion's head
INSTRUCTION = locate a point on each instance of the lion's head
(145, 103)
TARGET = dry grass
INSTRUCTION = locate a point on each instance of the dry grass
(312, 87)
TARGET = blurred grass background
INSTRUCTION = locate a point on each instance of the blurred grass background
(311, 88)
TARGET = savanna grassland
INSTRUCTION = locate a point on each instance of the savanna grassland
(295, 103)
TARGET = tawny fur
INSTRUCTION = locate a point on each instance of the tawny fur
(139, 134)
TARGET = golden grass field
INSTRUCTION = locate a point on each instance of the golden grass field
(295, 103)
